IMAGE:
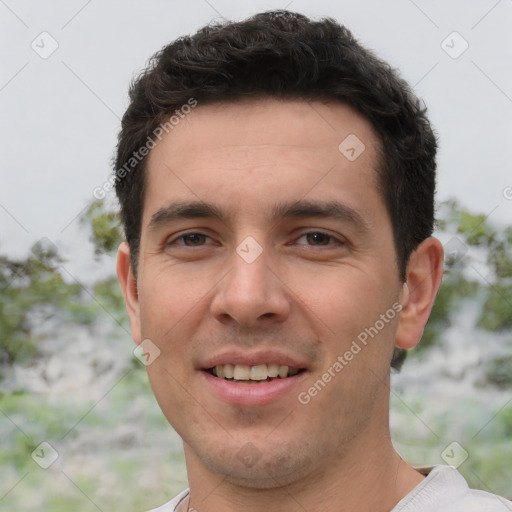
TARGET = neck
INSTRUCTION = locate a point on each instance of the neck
(370, 477)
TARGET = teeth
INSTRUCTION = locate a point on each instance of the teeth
(273, 370)
(229, 371)
(242, 372)
(283, 371)
(258, 372)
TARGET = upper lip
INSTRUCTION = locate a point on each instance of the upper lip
(253, 359)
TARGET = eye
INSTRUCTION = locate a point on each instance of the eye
(318, 238)
(189, 240)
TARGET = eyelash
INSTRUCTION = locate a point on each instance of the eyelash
(313, 232)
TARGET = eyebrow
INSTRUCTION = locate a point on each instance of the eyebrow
(295, 209)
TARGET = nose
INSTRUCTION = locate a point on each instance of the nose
(251, 293)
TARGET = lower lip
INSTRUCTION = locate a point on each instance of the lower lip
(252, 394)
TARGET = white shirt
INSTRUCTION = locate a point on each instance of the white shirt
(443, 490)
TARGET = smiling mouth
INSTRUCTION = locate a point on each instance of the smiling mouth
(245, 374)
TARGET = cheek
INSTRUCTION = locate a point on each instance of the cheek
(342, 299)
(170, 297)
(167, 387)
(353, 314)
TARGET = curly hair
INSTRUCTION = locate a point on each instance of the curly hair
(285, 55)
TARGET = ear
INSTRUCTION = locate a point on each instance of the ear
(129, 286)
(423, 278)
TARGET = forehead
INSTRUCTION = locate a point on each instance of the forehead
(264, 149)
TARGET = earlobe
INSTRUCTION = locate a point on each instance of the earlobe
(424, 275)
(128, 284)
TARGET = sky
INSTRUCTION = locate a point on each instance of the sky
(66, 67)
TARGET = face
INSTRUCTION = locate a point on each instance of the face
(265, 245)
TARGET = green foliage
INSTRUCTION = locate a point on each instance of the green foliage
(34, 289)
(106, 233)
(500, 258)
(473, 230)
(506, 421)
(488, 467)
(499, 372)
(30, 287)
(497, 310)
(98, 468)
(507, 235)
(109, 294)
(450, 297)
(19, 451)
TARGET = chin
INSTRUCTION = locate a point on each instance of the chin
(271, 479)
(276, 465)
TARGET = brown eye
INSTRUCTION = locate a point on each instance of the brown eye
(318, 238)
(189, 240)
(194, 239)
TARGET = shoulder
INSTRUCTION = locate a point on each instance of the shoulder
(480, 501)
(170, 506)
(445, 490)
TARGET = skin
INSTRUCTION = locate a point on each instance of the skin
(309, 296)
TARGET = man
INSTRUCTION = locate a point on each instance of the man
(276, 183)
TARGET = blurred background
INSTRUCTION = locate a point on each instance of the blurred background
(79, 427)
